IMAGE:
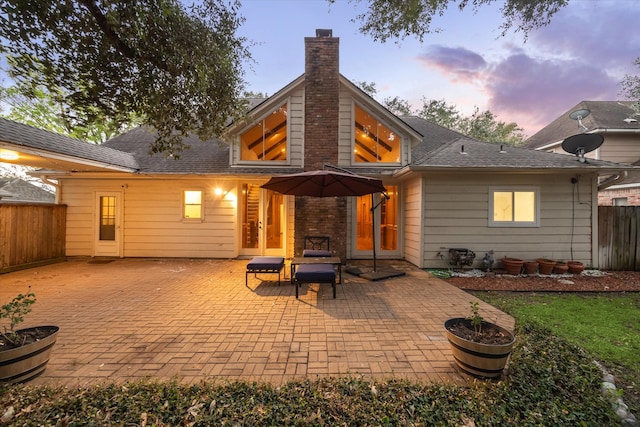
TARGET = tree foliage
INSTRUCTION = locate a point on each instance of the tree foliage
(176, 68)
(398, 19)
(630, 88)
(42, 110)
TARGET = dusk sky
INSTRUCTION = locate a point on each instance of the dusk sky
(582, 55)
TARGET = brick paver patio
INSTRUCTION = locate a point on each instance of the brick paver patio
(194, 319)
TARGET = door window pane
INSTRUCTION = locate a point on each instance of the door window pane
(250, 211)
(107, 218)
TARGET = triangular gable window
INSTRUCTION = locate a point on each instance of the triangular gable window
(267, 139)
(373, 141)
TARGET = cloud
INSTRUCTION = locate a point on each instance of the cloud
(540, 90)
(460, 62)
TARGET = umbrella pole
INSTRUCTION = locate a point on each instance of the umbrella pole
(373, 226)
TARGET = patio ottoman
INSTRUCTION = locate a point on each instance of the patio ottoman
(264, 265)
(314, 273)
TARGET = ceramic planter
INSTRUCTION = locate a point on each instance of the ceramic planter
(560, 268)
(512, 265)
(545, 265)
(575, 267)
(27, 362)
(530, 267)
(476, 358)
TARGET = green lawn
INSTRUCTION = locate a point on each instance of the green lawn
(605, 325)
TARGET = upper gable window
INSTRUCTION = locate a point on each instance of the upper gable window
(267, 139)
(374, 142)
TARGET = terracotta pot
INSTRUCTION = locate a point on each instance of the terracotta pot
(560, 268)
(546, 265)
(475, 358)
(530, 267)
(575, 267)
(28, 361)
(512, 265)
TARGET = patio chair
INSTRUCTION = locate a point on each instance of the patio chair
(316, 246)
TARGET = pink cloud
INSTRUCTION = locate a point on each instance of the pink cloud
(462, 63)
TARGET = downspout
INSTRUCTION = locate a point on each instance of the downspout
(612, 180)
(57, 186)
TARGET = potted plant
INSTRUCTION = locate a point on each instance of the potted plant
(24, 353)
(530, 267)
(479, 348)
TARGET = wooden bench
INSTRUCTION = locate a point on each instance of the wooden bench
(264, 265)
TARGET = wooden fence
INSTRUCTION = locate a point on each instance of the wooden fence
(31, 234)
(618, 237)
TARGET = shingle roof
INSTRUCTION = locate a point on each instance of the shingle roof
(603, 115)
(39, 139)
(433, 136)
(17, 190)
(202, 157)
(473, 154)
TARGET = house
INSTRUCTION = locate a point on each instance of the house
(16, 190)
(619, 124)
(444, 190)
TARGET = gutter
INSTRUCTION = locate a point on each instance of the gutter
(612, 180)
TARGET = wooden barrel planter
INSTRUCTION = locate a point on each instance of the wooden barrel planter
(28, 361)
(477, 358)
(512, 265)
(545, 266)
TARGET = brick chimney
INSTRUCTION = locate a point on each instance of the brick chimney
(321, 216)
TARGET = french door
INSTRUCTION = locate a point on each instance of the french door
(376, 223)
(263, 219)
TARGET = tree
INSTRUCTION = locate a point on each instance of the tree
(439, 112)
(44, 111)
(398, 19)
(178, 70)
(630, 86)
(485, 126)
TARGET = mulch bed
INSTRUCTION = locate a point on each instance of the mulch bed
(605, 281)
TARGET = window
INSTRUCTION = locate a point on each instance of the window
(514, 207)
(373, 141)
(267, 139)
(192, 208)
(619, 201)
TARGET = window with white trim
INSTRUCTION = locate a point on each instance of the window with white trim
(192, 205)
(514, 207)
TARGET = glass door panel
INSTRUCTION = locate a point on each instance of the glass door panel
(385, 216)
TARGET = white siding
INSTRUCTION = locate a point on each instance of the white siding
(412, 201)
(456, 208)
(152, 222)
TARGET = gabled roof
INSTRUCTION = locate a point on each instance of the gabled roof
(40, 148)
(472, 154)
(201, 158)
(433, 136)
(606, 116)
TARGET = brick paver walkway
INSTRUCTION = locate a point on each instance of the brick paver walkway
(194, 319)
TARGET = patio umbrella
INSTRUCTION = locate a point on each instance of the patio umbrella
(324, 183)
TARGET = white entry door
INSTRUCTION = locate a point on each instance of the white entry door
(108, 233)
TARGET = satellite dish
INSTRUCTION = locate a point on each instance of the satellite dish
(581, 144)
(579, 115)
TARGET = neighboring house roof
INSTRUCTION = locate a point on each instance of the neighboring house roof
(471, 154)
(37, 143)
(17, 190)
(606, 116)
